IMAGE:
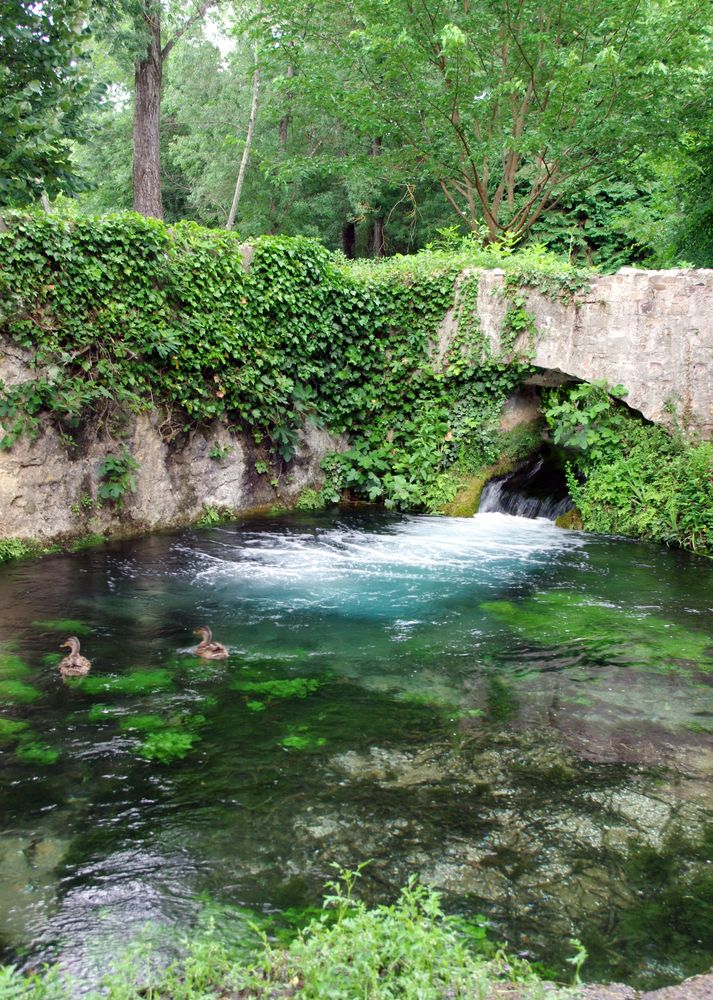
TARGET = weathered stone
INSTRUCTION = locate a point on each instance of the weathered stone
(48, 491)
(650, 331)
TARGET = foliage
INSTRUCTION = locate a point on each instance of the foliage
(117, 477)
(17, 548)
(299, 336)
(631, 478)
(43, 91)
(310, 499)
(506, 110)
(408, 949)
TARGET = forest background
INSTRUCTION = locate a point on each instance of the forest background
(373, 125)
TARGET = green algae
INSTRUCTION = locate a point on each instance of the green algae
(169, 745)
(143, 723)
(256, 706)
(101, 713)
(560, 616)
(294, 687)
(135, 682)
(51, 659)
(11, 729)
(12, 667)
(69, 626)
(302, 738)
(36, 752)
(15, 692)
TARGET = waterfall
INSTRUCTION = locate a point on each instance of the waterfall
(537, 488)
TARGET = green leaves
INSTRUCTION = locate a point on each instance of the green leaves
(43, 93)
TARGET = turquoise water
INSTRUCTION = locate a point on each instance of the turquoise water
(521, 715)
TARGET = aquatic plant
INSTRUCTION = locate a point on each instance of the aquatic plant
(11, 729)
(560, 616)
(100, 713)
(36, 752)
(302, 738)
(289, 687)
(15, 692)
(12, 667)
(69, 626)
(256, 706)
(143, 723)
(135, 682)
(167, 745)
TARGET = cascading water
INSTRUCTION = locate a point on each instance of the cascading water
(537, 488)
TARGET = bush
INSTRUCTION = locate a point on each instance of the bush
(631, 478)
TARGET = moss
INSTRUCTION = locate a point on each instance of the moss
(166, 746)
(143, 723)
(300, 738)
(295, 687)
(11, 729)
(15, 692)
(135, 682)
(86, 542)
(559, 616)
(36, 752)
(467, 499)
(12, 667)
(67, 626)
(572, 519)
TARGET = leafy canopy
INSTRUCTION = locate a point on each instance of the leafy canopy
(43, 93)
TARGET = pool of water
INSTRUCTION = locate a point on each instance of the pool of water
(521, 715)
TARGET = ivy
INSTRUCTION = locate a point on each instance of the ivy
(123, 314)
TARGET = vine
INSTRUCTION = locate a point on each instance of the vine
(123, 314)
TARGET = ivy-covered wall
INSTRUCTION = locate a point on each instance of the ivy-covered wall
(124, 316)
(153, 376)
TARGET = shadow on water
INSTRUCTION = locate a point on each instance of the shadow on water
(521, 715)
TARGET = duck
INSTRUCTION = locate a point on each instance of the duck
(73, 665)
(207, 648)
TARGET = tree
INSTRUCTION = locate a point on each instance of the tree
(508, 105)
(134, 30)
(44, 91)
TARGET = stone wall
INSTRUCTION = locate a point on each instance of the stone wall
(650, 331)
(48, 487)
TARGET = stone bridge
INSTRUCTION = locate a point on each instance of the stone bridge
(650, 331)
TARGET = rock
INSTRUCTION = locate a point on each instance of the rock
(49, 491)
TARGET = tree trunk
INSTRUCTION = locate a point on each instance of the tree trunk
(377, 238)
(147, 120)
(285, 120)
(349, 240)
(248, 142)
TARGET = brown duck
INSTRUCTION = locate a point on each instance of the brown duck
(208, 648)
(73, 665)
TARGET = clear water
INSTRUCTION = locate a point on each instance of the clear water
(522, 715)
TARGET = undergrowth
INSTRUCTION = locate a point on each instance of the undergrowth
(631, 478)
(409, 949)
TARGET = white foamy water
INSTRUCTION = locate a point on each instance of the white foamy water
(416, 559)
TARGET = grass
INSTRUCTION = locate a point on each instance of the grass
(409, 950)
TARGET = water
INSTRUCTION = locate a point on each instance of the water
(537, 488)
(520, 714)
